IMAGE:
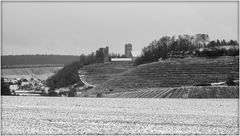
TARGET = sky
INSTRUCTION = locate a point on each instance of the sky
(73, 28)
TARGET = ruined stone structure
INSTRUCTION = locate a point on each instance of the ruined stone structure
(128, 50)
(102, 55)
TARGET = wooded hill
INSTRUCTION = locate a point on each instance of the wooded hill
(12, 60)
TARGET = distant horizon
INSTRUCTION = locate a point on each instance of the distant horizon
(92, 51)
(40, 55)
(75, 28)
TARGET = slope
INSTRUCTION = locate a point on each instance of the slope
(181, 92)
(173, 73)
(96, 74)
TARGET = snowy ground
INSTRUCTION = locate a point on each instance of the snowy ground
(63, 115)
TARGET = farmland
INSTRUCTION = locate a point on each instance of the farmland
(62, 115)
(173, 73)
(181, 92)
(37, 72)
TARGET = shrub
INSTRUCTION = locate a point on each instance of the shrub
(233, 52)
(52, 93)
(5, 88)
(215, 52)
(85, 95)
(201, 84)
(99, 95)
(72, 92)
(230, 81)
(43, 93)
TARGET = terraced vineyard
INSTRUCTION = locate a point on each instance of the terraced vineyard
(181, 92)
(173, 73)
(98, 73)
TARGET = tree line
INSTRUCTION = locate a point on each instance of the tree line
(11, 60)
(68, 75)
(223, 42)
(159, 49)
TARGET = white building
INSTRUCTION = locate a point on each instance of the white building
(121, 59)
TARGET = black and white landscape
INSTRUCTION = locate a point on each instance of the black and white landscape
(119, 68)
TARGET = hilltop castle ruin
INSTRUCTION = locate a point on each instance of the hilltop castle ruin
(102, 55)
(128, 50)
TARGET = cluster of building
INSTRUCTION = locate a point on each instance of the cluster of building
(34, 86)
(24, 86)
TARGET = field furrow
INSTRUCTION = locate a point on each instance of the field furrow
(77, 116)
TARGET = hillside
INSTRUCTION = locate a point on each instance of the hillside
(173, 73)
(12, 60)
(181, 92)
(99, 73)
(40, 72)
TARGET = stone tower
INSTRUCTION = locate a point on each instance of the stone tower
(102, 55)
(128, 50)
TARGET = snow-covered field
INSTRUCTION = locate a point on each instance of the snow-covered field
(63, 115)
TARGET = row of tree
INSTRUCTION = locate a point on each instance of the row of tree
(222, 43)
(68, 75)
(159, 49)
(117, 55)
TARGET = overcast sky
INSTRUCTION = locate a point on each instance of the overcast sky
(72, 28)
